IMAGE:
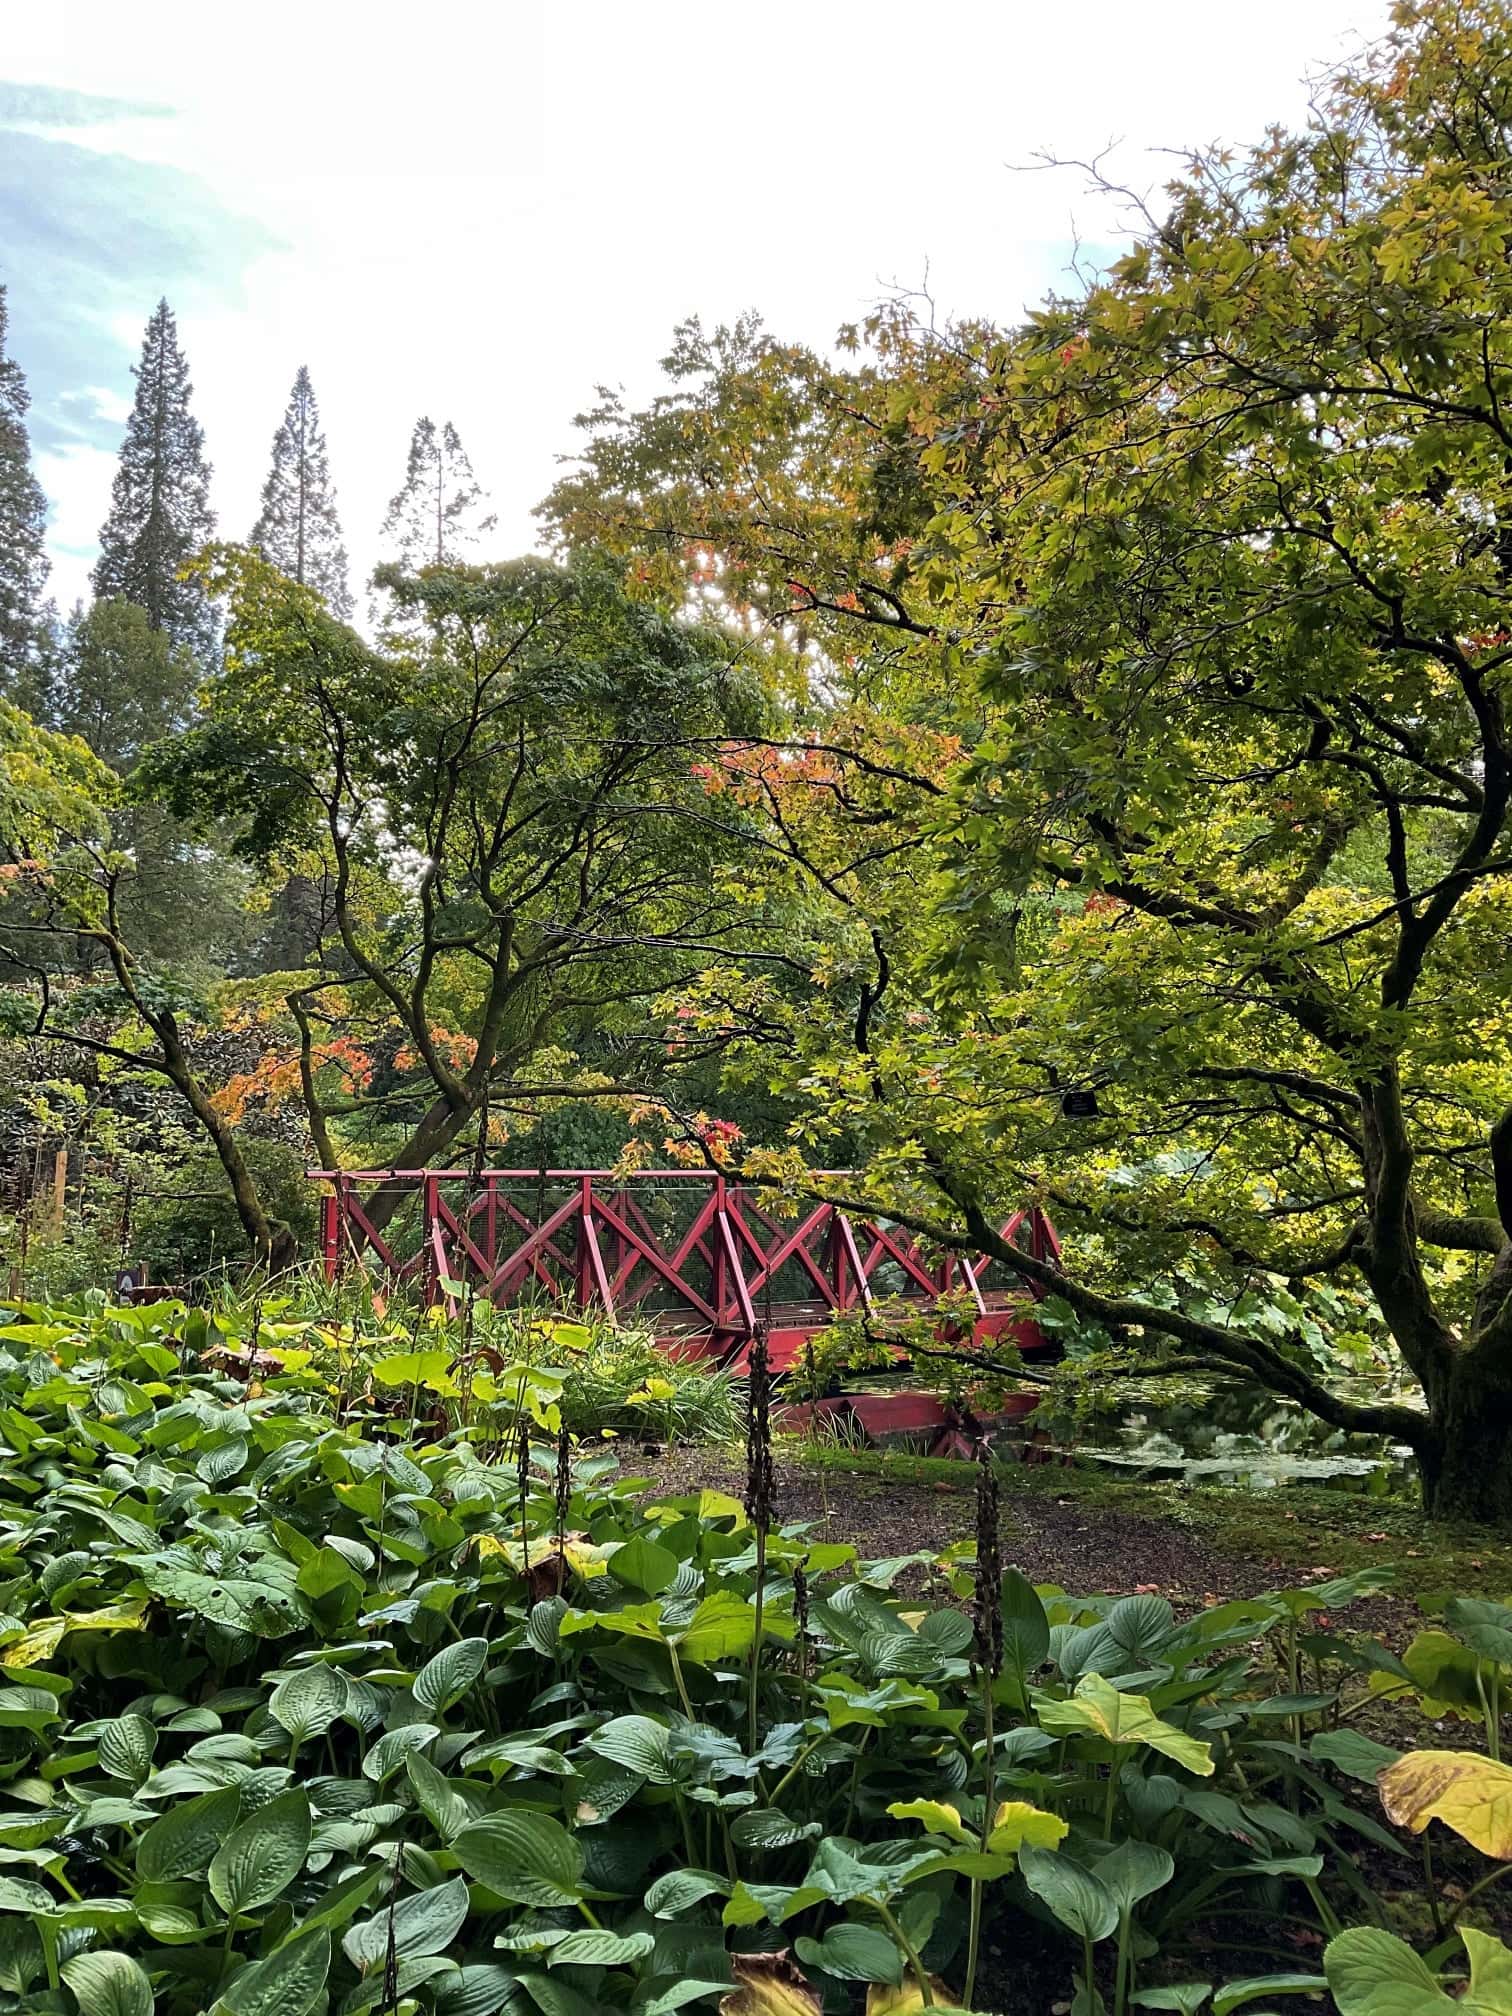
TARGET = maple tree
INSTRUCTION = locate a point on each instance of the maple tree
(1214, 562)
(491, 805)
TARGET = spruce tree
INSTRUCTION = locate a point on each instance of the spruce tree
(160, 512)
(298, 529)
(23, 519)
(439, 512)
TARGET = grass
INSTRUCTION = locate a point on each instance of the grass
(1296, 1526)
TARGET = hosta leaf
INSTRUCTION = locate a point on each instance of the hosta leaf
(108, 1984)
(1468, 1792)
(722, 1627)
(125, 1748)
(934, 1816)
(543, 1627)
(184, 1841)
(1133, 1871)
(907, 1998)
(526, 1858)
(424, 1922)
(767, 1828)
(1373, 1973)
(1485, 1627)
(1016, 1823)
(266, 1608)
(769, 1984)
(391, 1750)
(1076, 1897)
(480, 1988)
(681, 1889)
(309, 1701)
(445, 1808)
(1141, 1625)
(555, 1998)
(643, 1564)
(595, 1947)
(444, 1679)
(1237, 1993)
(261, 1857)
(1358, 1756)
(638, 1743)
(853, 1953)
(1097, 1708)
(42, 1640)
(287, 1982)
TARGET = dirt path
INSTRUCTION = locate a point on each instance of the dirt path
(1087, 1549)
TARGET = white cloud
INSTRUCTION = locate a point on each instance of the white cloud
(486, 209)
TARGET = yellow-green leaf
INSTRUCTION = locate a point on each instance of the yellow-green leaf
(1098, 1709)
(935, 1817)
(1017, 1822)
(42, 1640)
(1468, 1792)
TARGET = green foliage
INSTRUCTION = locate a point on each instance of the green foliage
(23, 520)
(160, 514)
(188, 1227)
(294, 1699)
(297, 529)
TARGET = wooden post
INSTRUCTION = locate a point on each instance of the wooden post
(330, 1234)
(59, 1190)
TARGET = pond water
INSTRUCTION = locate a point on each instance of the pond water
(1230, 1436)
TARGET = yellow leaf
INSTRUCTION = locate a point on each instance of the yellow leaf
(902, 2001)
(43, 1639)
(769, 1984)
(934, 1816)
(1017, 1822)
(1467, 1792)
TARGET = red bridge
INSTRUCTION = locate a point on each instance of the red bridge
(694, 1256)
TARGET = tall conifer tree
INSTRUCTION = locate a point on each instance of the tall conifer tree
(298, 529)
(160, 511)
(23, 518)
(440, 510)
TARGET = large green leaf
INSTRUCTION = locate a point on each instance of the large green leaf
(853, 1953)
(287, 1982)
(1373, 1973)
(1097, 1708)
(1133, 1871)
(185, 1839)
(445, 1678)
(526, 1858)
(680, 1889)
(722, 1627)
(261, 1857)
(125, 1748)
(1076, 1897)
(108, 1984)
(643, 1564)
(638, 1743)
(306, 1703)
(424, 1922)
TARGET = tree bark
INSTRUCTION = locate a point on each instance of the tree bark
(1466, 1469)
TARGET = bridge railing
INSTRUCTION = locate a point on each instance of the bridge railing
(694, 1254)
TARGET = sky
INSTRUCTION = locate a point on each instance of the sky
(483, 211)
